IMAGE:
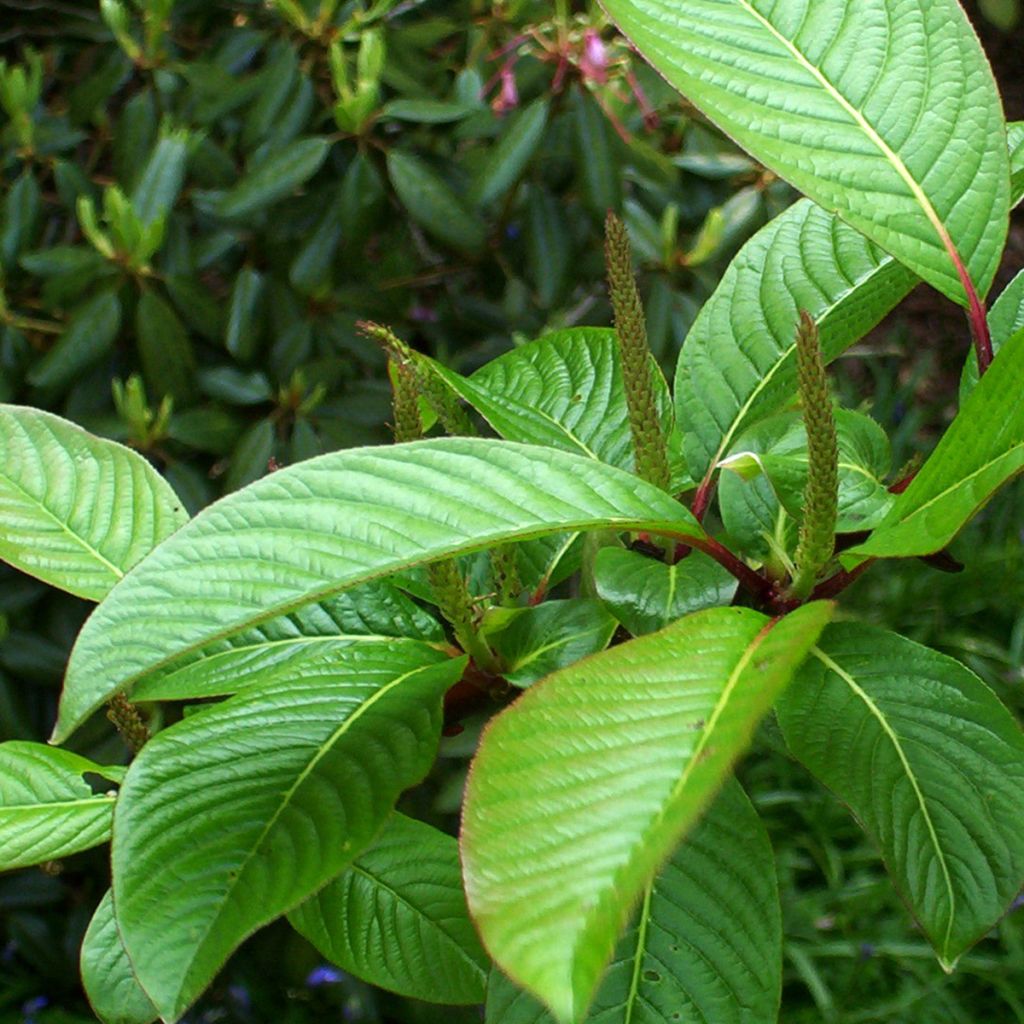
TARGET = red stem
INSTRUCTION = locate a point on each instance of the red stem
(837, 584)
(755, 583)
(702, 499)
(976, 315)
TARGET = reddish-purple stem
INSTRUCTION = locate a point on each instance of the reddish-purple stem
(976, 315)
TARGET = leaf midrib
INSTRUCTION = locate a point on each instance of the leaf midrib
(86, 803)
(96, 554)
(890, 734)
(285, 800)
(894, 159)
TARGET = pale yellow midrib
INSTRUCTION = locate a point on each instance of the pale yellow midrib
(869, 130)
(876, 713)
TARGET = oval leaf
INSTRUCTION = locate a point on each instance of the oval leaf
(246, 809)
(47, 809)
(585, 784)
(78, 511)
(906, 142)
(930, 763)
(397, 918)
(326, 525)
(275, 177)
(706, 942)
(107, 976)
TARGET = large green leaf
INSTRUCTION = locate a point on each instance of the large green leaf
(645, 594)
(582, 787)
(47, 809)
(931, 764)
(326, 525)
(705, 944)
(397, 918)
(235, 815)
(367, 627)
(739, 359)
(981, 450)
(883, 111)
(564, 390)
(78, 512)
(107, 976)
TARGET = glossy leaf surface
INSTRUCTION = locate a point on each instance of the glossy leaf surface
(981, 450)
(645, 594)
(47, 809)
(323, 526)
(705, 943)
(906, 143)
(238, 813)
(929, 762)
(585, 784)
(564, 390)
(107, 976)
(78, 512)
(739, 359)
(343, 629)
(397, 917)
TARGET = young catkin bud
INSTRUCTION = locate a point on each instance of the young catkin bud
(630, 326)
(428, 385)
(407, 425)
(818, 528)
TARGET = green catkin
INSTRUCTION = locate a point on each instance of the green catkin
(407, 424)
(821, 494)
(428, 385)
(505, 569)
(652, 462)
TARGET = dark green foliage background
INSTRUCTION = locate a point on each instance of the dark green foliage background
(467, 229)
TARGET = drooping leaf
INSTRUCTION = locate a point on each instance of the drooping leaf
(47, 809)
(906, 143)
(931, 764)
(238, 813)
(981, 450)
(78, 512)
(397, 918)
(705, 944)
(739, 359)
(533, 642)
(564, 390)
(584, 785)
(645, 594)
(1005, 319)
(107, 976)
(275, 177)
(323, 526)
(168, 360)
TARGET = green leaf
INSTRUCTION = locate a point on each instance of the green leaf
(645, 594)
(883, 111)
(597, 161)
(427, 111)
(289, 647)
(397, 918)
(585, 784)
(307, 532)
(430, 201)
(78, 511)
(509, 157)
(981, 450)
(107, 976)
(564, 390)
(245, 323)
(168, 360)
(929, 762)
(88, 337)
(533, 642)
(47, 809)
(548, 245)
(154, 196)
(1005, 319)
(1015, 134)
(275, 177)
(239, 812)
(706, 942)
(739, 360)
